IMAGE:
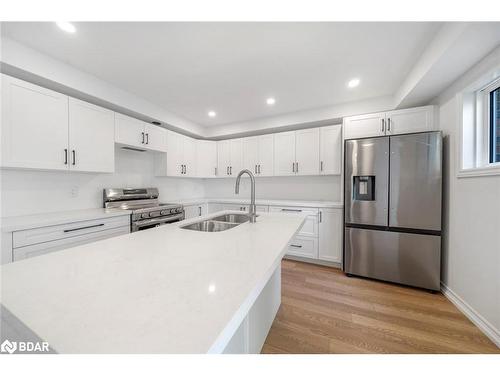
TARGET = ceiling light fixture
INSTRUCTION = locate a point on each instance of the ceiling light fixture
(212, 114)
(66, 26)
(353, 83)
(270, 101)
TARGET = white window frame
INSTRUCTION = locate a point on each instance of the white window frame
(473, 158)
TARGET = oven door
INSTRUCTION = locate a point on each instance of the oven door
(156, 222)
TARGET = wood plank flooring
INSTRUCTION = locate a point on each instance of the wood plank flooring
(324, 311)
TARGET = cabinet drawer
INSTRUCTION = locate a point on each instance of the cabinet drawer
(310, 227)
(306, 247)
(58, 232)
(51, 246)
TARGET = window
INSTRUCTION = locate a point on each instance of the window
(494, 124)
(479, 106)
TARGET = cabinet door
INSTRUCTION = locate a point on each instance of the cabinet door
(265, 166)
(206, 158)
(413, 120)
(34, 126)
(175, 154)
(251, 154)
(330, 149)
(155, 137)
(307, 152)
(91, 137)
(330, 234)
(129, 131)
(371, 125)
(189, 156)
(223, 158)
(236, 150)
(284, 154)
(305, 247)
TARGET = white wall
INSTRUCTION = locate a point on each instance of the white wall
(27, 192)
(471, 241)
(293, 187)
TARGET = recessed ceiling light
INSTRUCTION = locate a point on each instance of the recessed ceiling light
(270, 101)
(212, 113)
(353, 83)
(66, 26)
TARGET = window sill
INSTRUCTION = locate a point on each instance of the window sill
(493, 170)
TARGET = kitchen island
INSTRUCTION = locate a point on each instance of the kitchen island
(162, 290)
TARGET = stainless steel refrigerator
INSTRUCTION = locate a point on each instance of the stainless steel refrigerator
(392, 190)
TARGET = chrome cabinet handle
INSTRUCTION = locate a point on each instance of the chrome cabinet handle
(65, 156)
(388, 124)
(320, 217)
(290, 210)
(199, 211)
(185, 169)
(215, 171)
(142, 137)
(298, 246)
(321, 166)
(147, 138)
(259, 168)
(231, 170)
(255, 168)
(227, 171)
(74, 157)
(293, 167)
(297, 168)
(383, 126)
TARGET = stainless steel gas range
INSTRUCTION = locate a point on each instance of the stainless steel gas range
(147, 211)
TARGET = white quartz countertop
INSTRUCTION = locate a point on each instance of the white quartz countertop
(162, 290)
(268, 202)
(15, 223)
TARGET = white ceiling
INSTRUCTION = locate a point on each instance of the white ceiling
(191, 68)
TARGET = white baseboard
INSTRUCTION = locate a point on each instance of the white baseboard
(486, 327)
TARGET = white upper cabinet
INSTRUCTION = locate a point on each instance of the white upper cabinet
(91, 137)
(330, 149)
(371, 125)
(229, 157)
(265, 166)
(258, 155)
(412, 120)
(206, 159)
(180, 158)
(251, 154)
(129, 131)
(296, 153)
(34, 126)
(139, 134)
(307, 152)
(155, 137)
(284, 154)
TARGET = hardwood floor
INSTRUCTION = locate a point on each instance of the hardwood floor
(324, 311)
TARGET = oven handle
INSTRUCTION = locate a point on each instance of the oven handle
(161, 220)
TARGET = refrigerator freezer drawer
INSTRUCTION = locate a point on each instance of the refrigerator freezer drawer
(405, 258)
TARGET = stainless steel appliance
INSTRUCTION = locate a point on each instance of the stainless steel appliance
(147, 212)
(392, 190)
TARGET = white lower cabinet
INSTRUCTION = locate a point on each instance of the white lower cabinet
(195, 211)
(37, 241)
(306, 247)
(243, 207)
(330, 234)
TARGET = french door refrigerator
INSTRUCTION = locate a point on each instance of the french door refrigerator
(392, 190)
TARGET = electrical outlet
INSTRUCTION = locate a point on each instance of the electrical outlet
(74, 192)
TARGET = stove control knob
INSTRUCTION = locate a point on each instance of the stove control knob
(164, 212)
(172, 211)
(145, 215)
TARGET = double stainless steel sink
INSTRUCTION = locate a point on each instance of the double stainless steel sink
(218, 223)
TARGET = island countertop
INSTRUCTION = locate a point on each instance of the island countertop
(162, 290)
